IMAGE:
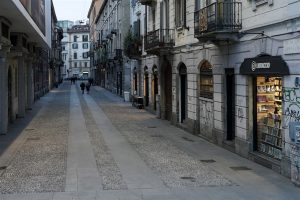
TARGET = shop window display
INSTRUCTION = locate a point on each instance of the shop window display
(269, 115)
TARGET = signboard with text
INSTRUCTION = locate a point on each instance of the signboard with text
(265, 65)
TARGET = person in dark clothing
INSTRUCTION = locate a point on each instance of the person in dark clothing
(87, 86)
(82, 86)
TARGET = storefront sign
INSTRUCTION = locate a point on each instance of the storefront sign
(265, 65)
(256, 65)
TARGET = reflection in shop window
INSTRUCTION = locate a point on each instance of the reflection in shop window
(206, 81)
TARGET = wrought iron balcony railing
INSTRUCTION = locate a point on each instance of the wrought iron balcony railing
(160, 39)
(219, 17)
(146, 2)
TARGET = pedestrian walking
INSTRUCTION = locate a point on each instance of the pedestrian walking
(87, 86)
(82, 86)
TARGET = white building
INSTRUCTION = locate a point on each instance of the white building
(227, 71)
(65, 25)
(77, 49)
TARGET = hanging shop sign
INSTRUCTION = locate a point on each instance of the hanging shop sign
(265, 65)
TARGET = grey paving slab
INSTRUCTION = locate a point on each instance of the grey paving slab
(64, 196)
(30, 196)
(134, 171)
(82, 174)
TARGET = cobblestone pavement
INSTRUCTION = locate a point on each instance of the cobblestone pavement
(108, 169)
(108, 150)
(175, 167)
(39, 163)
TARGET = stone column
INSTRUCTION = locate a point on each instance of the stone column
(3, 93)
(21, 86)
(30, 92)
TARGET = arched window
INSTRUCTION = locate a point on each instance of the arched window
(206, 81)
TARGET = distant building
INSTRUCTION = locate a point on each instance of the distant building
(78, 48)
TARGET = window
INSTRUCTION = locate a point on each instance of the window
(63, 47)
(85, 45)
(75, 38)
(75, 46)
(199, 4)
(85, 38)
(85, 55)
(64, 55)
(85, 64)
(75, 55)
(180, 13)
(75, 64)
(206, 81)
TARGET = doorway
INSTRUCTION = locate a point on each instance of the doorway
(9, 87)
(146, 86)
(154, 87)
(183, 93)
(168, 90)
(230, 101)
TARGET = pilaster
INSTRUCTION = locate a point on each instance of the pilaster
(4, 90)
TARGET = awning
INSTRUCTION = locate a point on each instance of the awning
(264, 65)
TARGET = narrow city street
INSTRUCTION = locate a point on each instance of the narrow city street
(97, 147)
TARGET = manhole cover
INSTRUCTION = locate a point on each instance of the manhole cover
(188, 178)
(240, 168)
(3, 167)
(157, 136)
(208, 161)
(33, 139)
(188, 139)
(152, 127)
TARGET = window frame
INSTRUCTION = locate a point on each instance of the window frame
(206, 83)
(85, 38)
(75, 46)
(180, 13)
(85, 44)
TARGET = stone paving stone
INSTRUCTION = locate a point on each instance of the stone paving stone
(175, 167)
(39, 163)
(108, 169)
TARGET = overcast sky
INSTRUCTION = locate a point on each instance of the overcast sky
(71, 9)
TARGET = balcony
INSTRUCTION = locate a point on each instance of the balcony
(159, 41)
(146, 2)
(218, 22)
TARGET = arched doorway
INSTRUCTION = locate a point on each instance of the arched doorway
(168, 89)
(206, 104)
(154, 86)
(183, 92)
(9, 96)
(146, 86)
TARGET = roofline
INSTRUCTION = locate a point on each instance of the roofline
(90, 10)
(54, 13)
(101, 10)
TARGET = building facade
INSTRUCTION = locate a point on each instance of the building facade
(112, 23)
(226, 71)
(78, 51)
(25, 42)
(65, 25)
(56, 63)
(92, 16)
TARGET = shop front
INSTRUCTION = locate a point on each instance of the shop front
(267, 74)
